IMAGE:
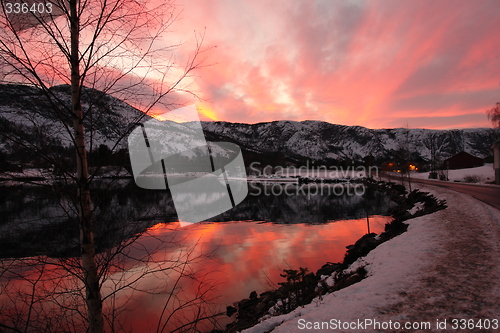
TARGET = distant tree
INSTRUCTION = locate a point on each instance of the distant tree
(431, 143)
(403, 156)
(494, 115)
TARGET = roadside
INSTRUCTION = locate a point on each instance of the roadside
(489, 194)
(481, 175)
(445, 266)
(461, 278)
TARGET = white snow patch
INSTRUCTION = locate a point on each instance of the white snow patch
(418, 206)
(482, 175)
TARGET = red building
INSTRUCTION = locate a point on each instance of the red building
(496, 163)
(462, 160)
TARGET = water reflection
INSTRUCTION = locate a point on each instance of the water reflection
(251, 255)
(40, 221)
(246, 254)
(258, 251)
(313, 203)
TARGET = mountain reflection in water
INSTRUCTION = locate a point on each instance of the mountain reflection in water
(250, 245)
(251, 255)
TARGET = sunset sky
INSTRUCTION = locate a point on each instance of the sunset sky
(378, 64)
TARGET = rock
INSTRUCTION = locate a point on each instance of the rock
(253, 295)
(266, 297)
(230, 310)
(366, 244)
(243, 303)
(328, 269)
(361, 248)
(346, 281)
(246, 303)
(260, 308)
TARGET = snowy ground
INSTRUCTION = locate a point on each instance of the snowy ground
(47, 173)
(444, 267)
(482, 175)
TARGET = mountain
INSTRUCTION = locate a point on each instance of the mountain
(27, 109)
(319, 140)
(28, 114)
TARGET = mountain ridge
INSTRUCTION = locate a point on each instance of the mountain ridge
(320, 140)
(293, 140)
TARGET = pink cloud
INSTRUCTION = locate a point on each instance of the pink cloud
(373, 64)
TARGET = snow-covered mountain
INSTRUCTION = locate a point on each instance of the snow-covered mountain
(319, 140)
(25, 111)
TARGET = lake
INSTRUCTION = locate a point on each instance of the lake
(229, 256)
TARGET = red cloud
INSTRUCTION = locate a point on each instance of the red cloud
(375, 64)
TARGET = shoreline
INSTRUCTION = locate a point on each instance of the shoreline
(444, 270)
(332, 277)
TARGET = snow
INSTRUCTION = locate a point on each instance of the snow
(27, 173)
(319, 140)
(482, 175)
(443, 267)
(418, 206)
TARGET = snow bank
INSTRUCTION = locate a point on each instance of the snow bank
(484, 174)
(390, 267)
(401, 271)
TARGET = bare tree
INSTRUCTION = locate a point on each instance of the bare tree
(494, 115)
(403, 156)
(112, 46)
(431, 143)
(44, 294)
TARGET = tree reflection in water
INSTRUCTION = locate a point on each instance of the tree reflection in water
(155, 276)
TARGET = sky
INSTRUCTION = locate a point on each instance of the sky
(378, 64)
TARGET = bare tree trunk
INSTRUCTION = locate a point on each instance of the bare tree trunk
(117, 29)
(91, 278)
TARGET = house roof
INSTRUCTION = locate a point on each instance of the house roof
(462, 154)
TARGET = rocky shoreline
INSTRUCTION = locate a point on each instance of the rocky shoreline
(302, 287)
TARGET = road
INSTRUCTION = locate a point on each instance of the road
(487, 194)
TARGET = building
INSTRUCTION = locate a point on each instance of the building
(389, 166)
(496, 161)
(462, 160)
(395, 167)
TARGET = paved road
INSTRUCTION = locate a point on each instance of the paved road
(487, 194)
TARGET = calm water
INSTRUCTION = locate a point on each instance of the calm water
(240, 251)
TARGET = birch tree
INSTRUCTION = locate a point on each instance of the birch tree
(114, 46)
